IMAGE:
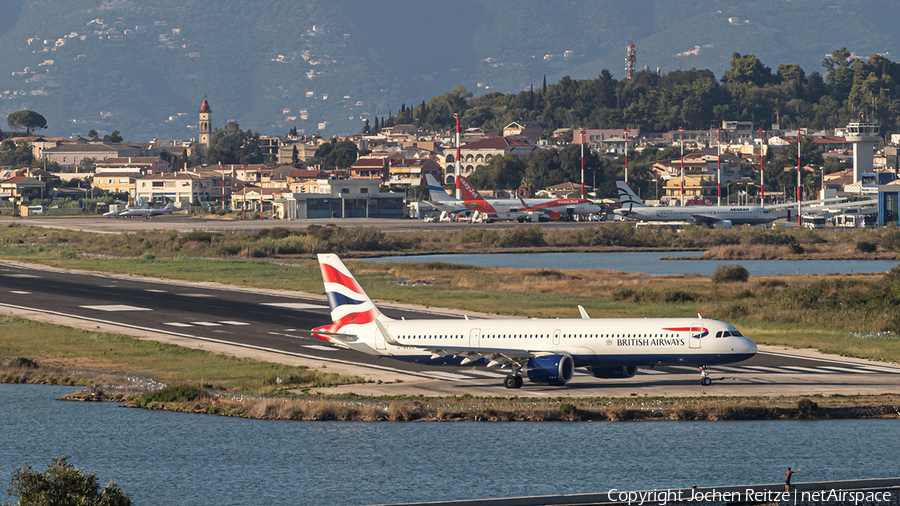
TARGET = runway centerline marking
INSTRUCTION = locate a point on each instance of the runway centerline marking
(294, 305)
(117, 307)
(207, 324)
(318, 347)
(19, 293)
(178, 324)
(21, 276)
(196, 295)
(156, 291)
(228, 322)
(847, 369)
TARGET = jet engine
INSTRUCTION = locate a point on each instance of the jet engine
(551, 369)
(722, 224)
(625, 371)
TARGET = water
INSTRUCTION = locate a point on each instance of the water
(648, 262)
(172, 458)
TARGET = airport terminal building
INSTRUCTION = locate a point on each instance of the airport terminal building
(340, 198)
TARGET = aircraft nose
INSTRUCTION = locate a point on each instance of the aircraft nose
(748, 346)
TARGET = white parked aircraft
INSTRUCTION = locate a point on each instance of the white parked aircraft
(138, 204)
(546, 350)
(717, 216)
(148, 212)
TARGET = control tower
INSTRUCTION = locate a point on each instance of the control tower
(863, 135)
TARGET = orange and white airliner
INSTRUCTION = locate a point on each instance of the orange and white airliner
(503, 209)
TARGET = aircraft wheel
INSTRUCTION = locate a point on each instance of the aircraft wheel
(510, 382)
(518, 381)
(705, 382)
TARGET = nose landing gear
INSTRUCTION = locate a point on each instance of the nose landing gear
(705, 380)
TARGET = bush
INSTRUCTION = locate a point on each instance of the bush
(730, 273)
(891, 240)
(148, 256)
(678, 297)
(807, 405)
(22, 362)
(63, 483)
(866, 246)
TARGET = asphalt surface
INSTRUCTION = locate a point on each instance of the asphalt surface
(100, 224)
(267, 321)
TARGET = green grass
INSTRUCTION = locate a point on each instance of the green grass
(810, 311)
(64, 347)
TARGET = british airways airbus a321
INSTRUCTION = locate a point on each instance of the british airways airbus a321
(545, 350)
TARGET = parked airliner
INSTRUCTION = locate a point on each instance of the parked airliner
(717, 216)
(148, 212)
(547, 350)
(508, 209)
(138, 204)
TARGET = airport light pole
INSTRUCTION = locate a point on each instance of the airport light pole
(719, 164)
(762, 172)
(582, 163)
(799, 185)
(681, 130)
(458, 166)
(626, 155)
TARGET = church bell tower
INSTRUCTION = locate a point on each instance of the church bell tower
(205, 128)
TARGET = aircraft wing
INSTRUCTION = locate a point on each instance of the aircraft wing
(495, 356)
(705, 219)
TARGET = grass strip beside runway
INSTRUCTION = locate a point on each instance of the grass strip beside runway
(36, 352)
(816, 311)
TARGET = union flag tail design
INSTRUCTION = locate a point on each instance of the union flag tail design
(469, 193)
(348, 301)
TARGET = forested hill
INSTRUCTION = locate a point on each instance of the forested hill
(695, 99)
(144, 67)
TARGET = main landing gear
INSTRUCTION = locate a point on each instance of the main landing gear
(512, 381)
(705, 380)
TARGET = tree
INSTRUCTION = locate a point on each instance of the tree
(64, 485)
(366, 128)
(115, 137)
(295, 156)
(92, 133)
(87, 164)
(29, 120)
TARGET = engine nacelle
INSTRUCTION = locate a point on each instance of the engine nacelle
(625, 371)
(722, 224)
(551, 369)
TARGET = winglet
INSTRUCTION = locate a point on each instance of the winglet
(584, 314)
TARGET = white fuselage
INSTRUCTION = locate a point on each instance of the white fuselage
(596, 341)
(737, 215)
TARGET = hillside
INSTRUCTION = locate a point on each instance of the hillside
(144, 67)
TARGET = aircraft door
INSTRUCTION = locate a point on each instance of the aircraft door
(556, 336)
(696, 335)
(474, 338)
(379, 340)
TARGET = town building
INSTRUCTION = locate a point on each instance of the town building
(340, 198)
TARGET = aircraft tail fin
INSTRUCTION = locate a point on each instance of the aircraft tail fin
(468, 191)
(627, 195)
(348, 301)
(436, 192)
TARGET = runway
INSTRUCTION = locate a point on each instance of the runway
(99, 224)
(264, 323)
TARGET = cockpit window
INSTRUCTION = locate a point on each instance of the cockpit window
(719, 334)
(735, 333)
